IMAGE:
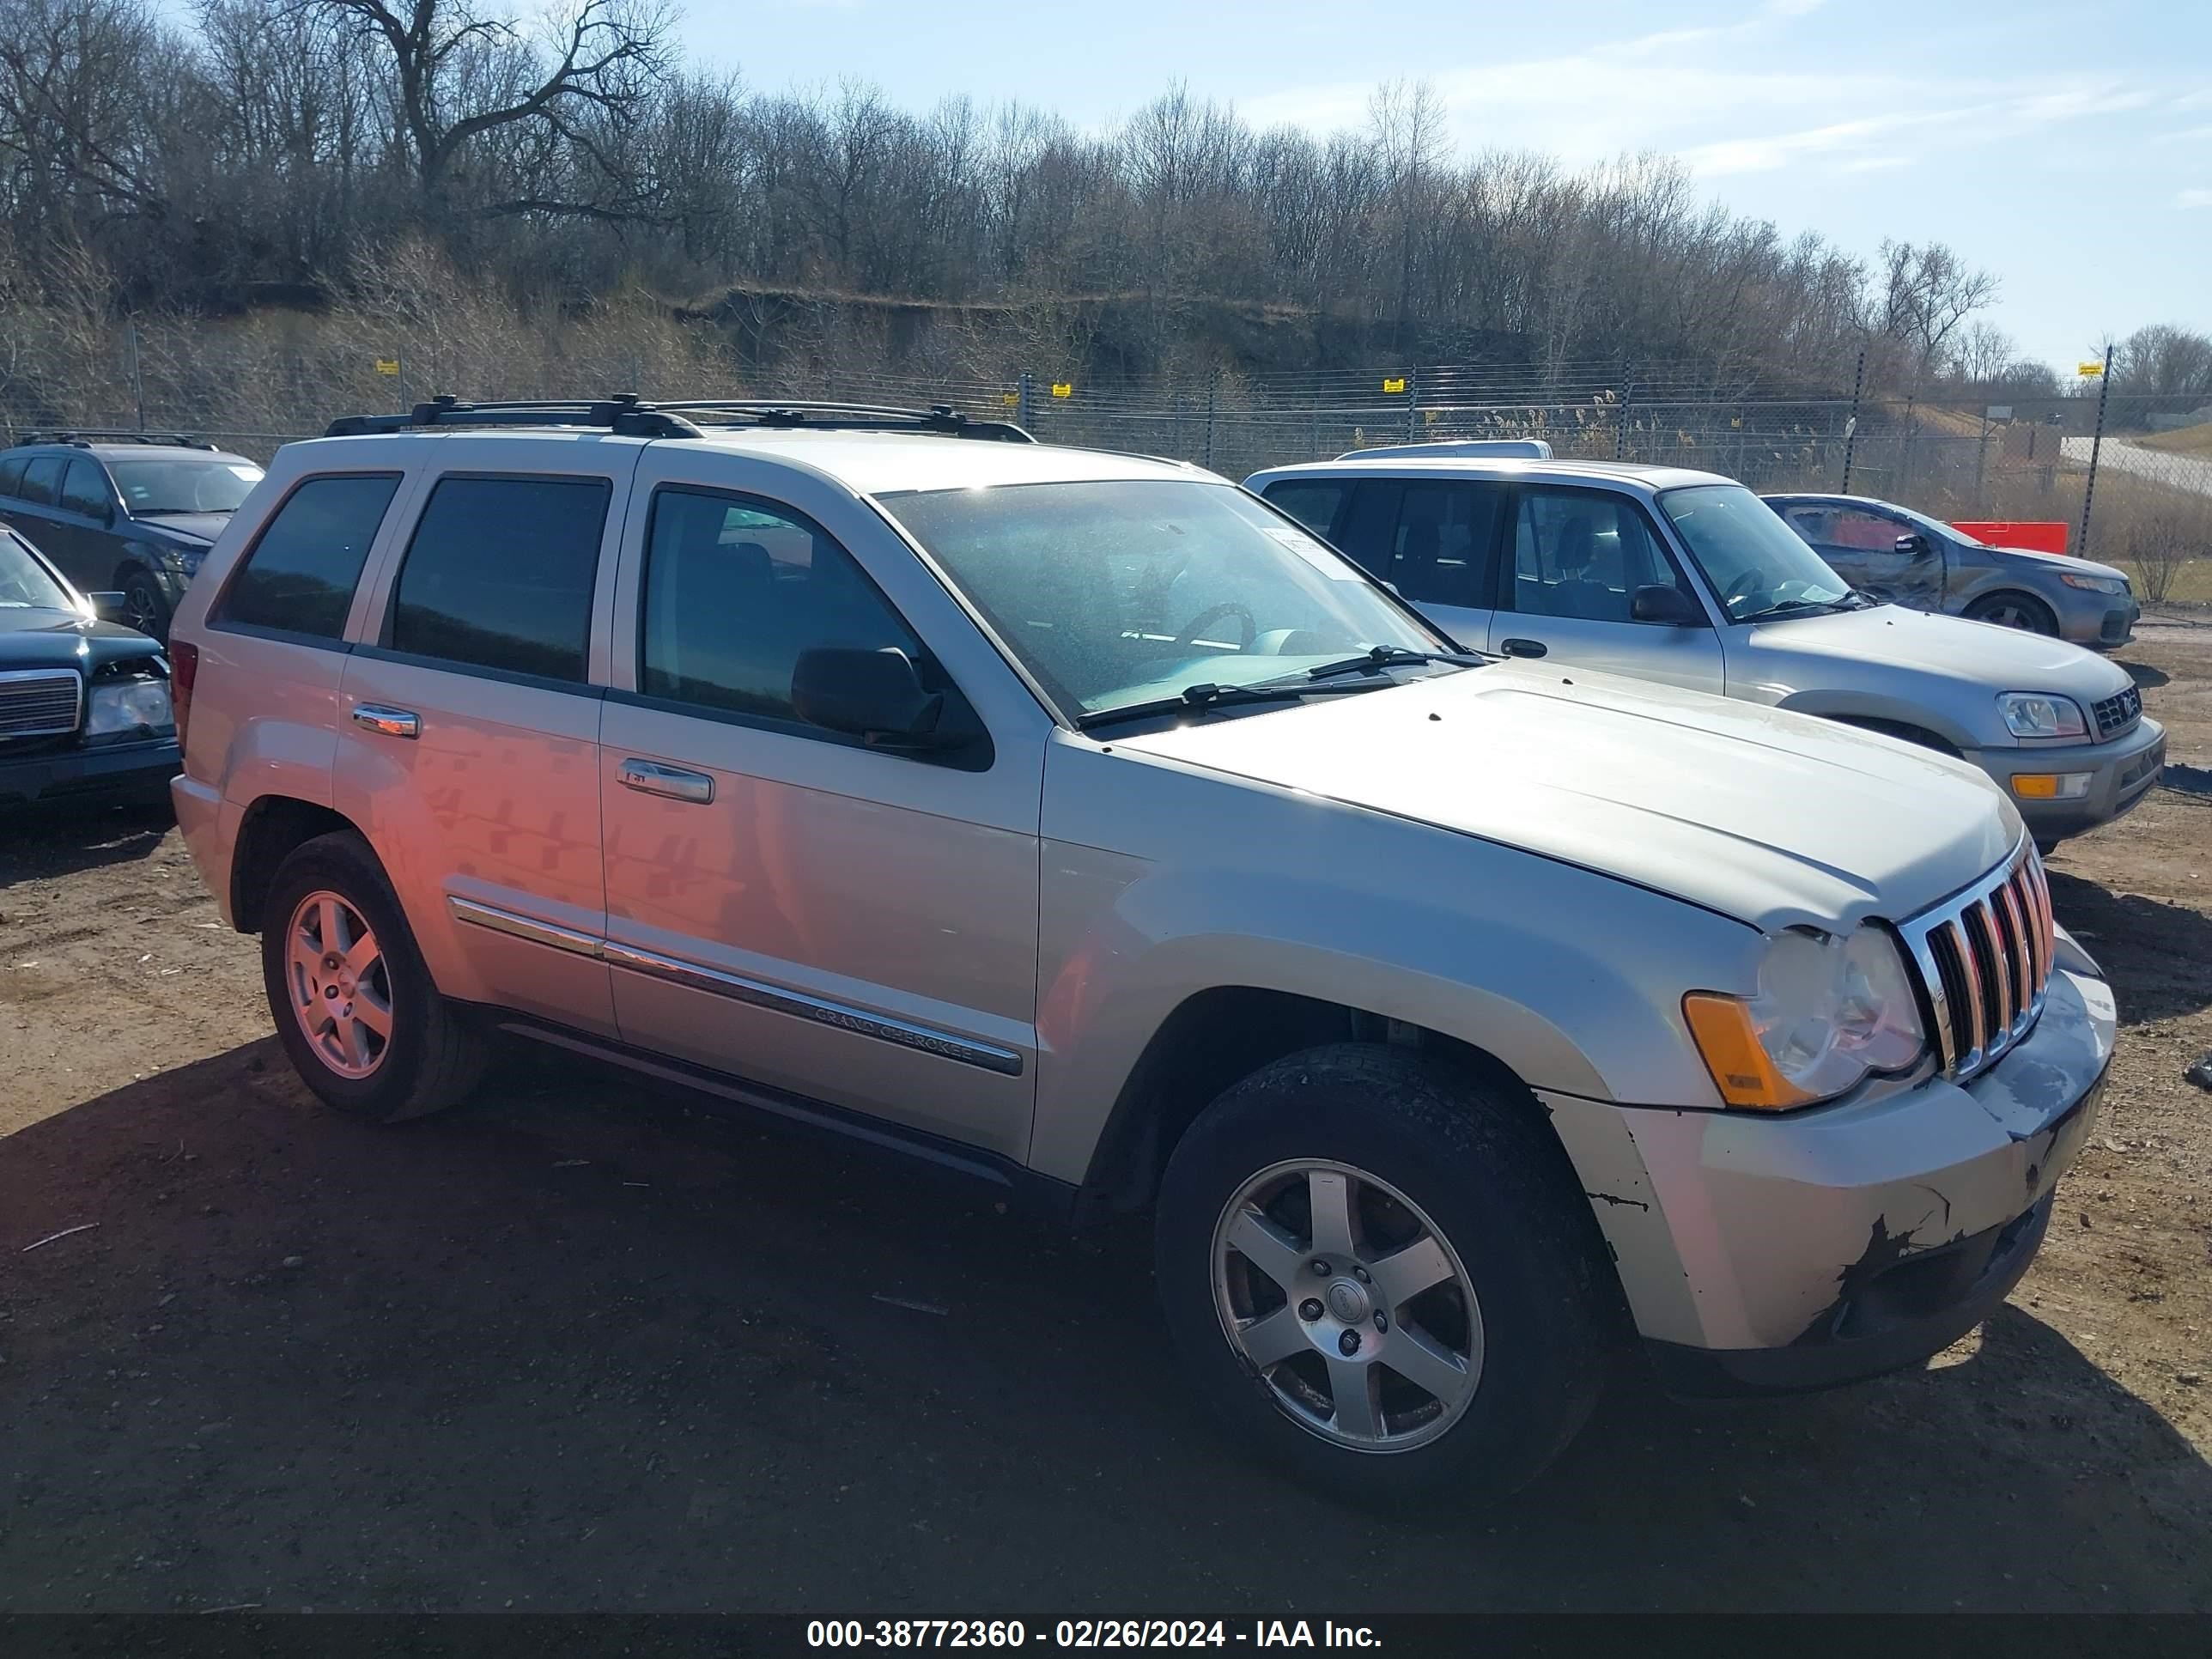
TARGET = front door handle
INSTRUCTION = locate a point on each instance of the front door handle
(388, 721)
(1523, 647)
(676, 782)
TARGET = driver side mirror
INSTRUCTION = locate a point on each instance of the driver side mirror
(1912, 545)
(874, 695)
(108, 607)
(1664, 603)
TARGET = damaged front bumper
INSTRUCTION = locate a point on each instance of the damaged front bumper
(1764, 1254)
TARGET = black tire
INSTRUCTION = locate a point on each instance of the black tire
(2001, 609)
(144, 604)
(1498, 1186)
(435, 1056)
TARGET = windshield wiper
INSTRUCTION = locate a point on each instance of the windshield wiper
(1793, 608)
(1389, 656)
(1208, 696)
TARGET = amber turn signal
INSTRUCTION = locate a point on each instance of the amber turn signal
(1729, 1042)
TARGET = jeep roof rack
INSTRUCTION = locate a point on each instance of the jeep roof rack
(629, 415)
(80, 437)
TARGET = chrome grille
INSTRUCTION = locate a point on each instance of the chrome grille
(39, 703)
(2115, 714)
(1984, 958)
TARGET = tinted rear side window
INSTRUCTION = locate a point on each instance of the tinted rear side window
(499, 574)
(11, 476)
(1313, 502)
(300, 577)
(42, 479)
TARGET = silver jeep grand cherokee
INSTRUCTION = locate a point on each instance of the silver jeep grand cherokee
(1082, 822)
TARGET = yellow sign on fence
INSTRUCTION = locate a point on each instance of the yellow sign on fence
(387, 365)
(1396, 383)
(2089, 371)
(1063, 388)
(1010, 399)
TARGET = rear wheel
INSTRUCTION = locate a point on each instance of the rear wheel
(2019, 611)
(354, 1004)
(1381, 1274)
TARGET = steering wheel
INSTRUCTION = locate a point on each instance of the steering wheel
(1745, 585)
(1188, 635)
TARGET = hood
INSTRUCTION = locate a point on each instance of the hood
(1771, 817)
(199, 529)
(1960, 667)
(2055, 563)
(39, 638)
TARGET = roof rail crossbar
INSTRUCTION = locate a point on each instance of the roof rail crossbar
(629, 415)
(626, 416)
(836, 415)
(80, 436)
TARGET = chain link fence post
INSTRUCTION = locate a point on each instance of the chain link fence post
(1851, 422)
(1413, 403)
(1212, 393)
(1022, 384)
(2096, 448)
(1621, 421)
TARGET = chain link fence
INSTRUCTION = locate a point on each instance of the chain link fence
(2127, 474)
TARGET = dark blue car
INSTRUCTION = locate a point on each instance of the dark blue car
(127, 513)
(84, 702)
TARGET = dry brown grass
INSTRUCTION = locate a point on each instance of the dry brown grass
(2188, 441)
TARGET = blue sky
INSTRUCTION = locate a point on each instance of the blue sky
(2067, 147)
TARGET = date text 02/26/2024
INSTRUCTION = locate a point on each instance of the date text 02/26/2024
(1086, 1633)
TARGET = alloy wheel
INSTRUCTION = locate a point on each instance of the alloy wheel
(340, 986)
(141, 607)
(1349, 1304)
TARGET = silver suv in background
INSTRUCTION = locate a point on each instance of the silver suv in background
(1078, 822)
(1688, 579)
(1892, 553)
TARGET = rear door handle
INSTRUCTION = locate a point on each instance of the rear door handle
(1523, 647)
(388, 721)
(676, 782)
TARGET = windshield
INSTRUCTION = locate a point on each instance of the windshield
(150, 487)
(24, 583)
(1755, 562)
(1123, 593)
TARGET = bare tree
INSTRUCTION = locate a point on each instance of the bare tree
(458, 77)
(1927, 295)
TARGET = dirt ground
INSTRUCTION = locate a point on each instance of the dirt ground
(587, 1345)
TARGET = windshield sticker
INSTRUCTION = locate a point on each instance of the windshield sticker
(1314, 554)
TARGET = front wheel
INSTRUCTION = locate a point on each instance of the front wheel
(2019, 611)
(354, 1003)
(1382, 1274)
(145, 607)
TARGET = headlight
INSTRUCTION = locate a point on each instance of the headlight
(2094, 584)
(1828, 1012)
(133, 707)
(185, 560)
(2036, 714)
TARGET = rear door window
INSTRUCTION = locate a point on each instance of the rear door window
(11, 475)
(1314, 502)
(499, 574)
(1433, 540)
(300, 575)
(42, 479)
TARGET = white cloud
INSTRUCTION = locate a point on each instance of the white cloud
(2195, 198)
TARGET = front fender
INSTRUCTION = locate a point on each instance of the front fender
(1571, 979)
